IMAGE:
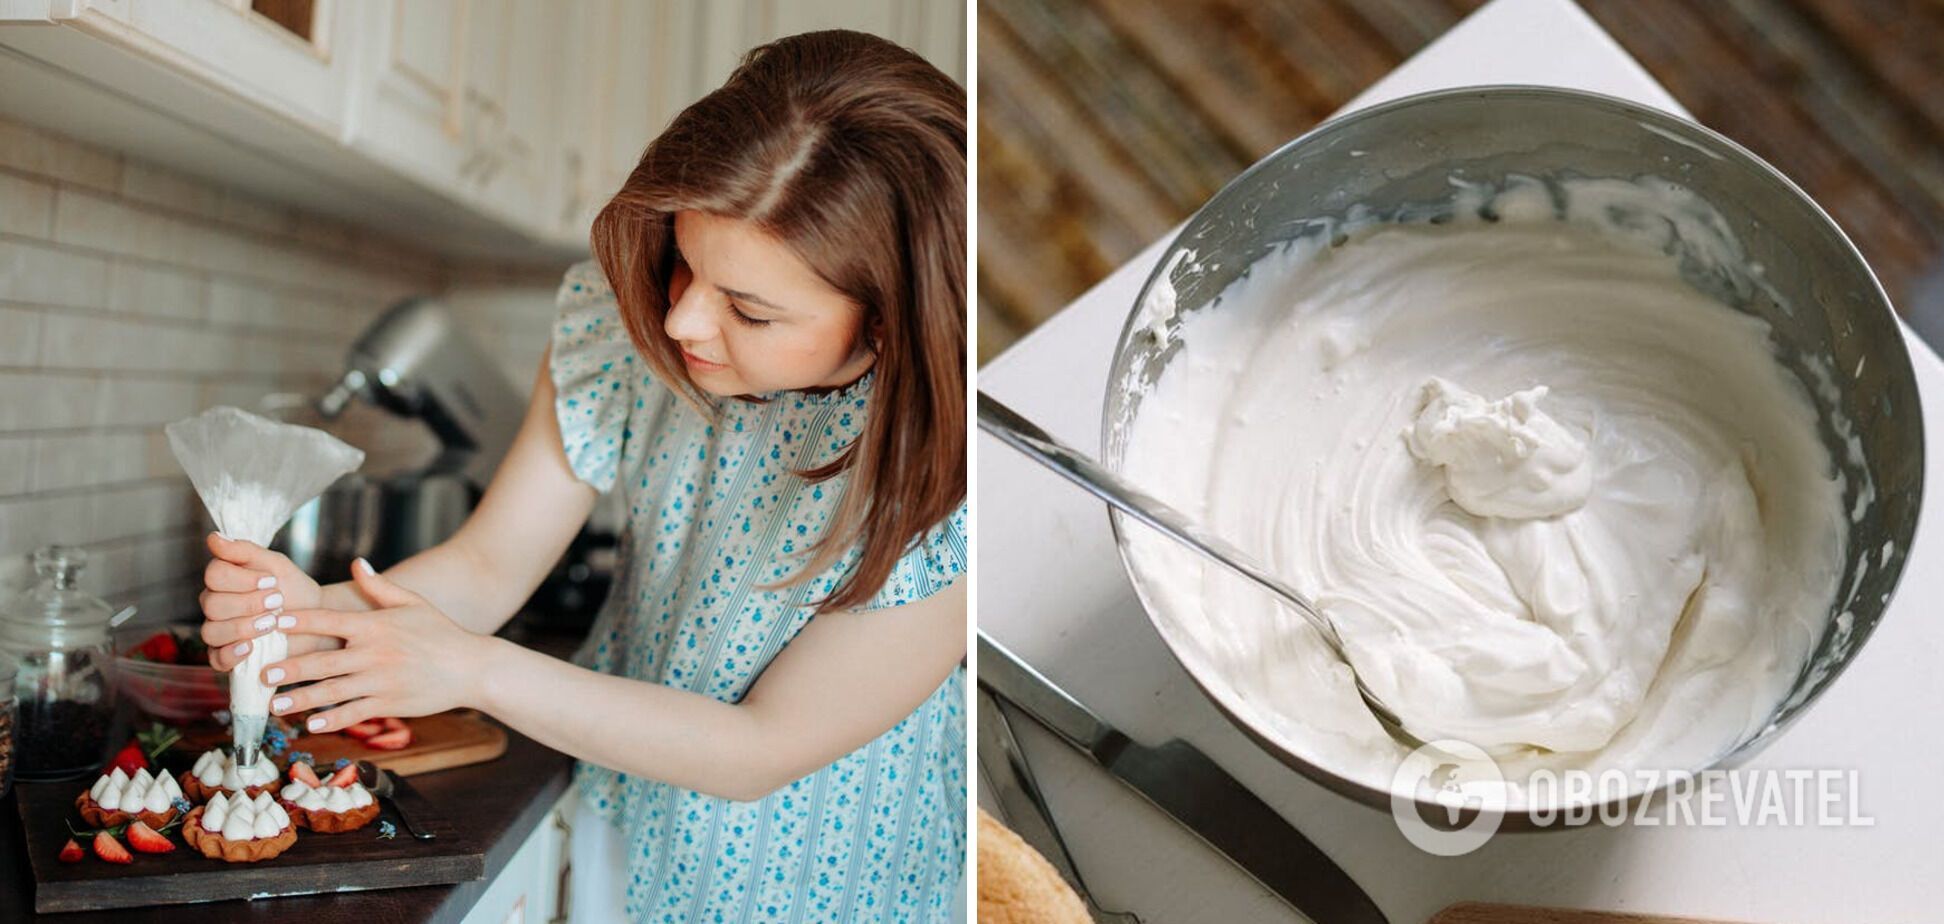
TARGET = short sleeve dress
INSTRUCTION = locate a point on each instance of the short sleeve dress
(715, 518)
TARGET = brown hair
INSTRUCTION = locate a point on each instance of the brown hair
(851, 151)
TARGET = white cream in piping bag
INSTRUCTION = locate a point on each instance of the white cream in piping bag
(1559, 503)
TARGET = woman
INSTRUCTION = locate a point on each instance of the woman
(767, 360)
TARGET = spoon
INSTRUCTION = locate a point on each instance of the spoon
(1022, 434)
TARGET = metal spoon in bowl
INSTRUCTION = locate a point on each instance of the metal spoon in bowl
(1022, 434)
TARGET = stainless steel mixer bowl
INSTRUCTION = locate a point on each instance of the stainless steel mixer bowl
(1398, 159)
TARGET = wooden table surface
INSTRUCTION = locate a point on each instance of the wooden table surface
(1103, 123)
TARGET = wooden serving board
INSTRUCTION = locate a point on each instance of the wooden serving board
(1484, 913)
(352, 861)
(439, 742)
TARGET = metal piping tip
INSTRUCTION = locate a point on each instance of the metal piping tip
(246, 736)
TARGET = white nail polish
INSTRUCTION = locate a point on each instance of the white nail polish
(286, 622)
(276, 675)
(315, 725)
(364, 566)
(273, 601)
(266, 582)
(265, 622)
(280, 703)
(241, 649)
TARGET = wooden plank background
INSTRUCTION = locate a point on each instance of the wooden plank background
(1102, 123)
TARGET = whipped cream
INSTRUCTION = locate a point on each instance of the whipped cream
(116, 791)
(243, 818)
(1559, 503)
(327, 797)
(217, 769)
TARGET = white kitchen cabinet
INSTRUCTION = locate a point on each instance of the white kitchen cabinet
(223, 43)
(531, 889)
(481, 128)
(455, 94)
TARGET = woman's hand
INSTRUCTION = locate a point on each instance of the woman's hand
(243, 588)
(404, 658)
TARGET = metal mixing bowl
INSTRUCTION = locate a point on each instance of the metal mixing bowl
(1827, 311)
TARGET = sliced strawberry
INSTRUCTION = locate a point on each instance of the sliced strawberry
(130, 758)
(145, 839)
(392, 723)
(364, 729)
(345, 776)
(107, 848)
(71, 852)
(390, 741)
(302, 773)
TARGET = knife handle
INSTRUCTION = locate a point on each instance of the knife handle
(1017, 682)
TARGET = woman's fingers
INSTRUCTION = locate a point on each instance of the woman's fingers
(219, 633)
(318, 665)
(229, 578)
(334, 623)
(318, 695)
(347, 715)
(224, 606)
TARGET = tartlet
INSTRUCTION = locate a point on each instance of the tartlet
(246, 831)
(217, 772)
(329, 809)
(117, 798)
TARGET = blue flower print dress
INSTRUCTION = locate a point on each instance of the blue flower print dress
(715, 517)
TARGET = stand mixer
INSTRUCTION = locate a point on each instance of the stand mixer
(416, 362)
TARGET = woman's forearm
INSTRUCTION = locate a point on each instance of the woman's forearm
(639, 728)
(843, 680)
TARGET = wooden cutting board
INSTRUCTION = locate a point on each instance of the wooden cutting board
(439, 742)
(450, 739)
(1484, 913)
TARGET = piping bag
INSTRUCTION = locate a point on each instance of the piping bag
(252, 473)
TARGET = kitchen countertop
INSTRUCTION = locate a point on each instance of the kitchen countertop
(524, 783)
(1052, 589)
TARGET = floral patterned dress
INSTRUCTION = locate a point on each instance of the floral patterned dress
(715, 518)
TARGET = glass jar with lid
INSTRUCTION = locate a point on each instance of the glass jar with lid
(64, 685)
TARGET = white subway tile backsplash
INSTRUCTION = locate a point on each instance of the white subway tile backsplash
(142, 288)
(30, 150)
(16, 464)
(45, 401)
(88, 459)
(141, 402)
(94, 220)
(26, 207)
(19, 336)
(132, 296)
(143, 509)
(51, 276)
(147, 183)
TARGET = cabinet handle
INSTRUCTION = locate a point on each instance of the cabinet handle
(564, 893)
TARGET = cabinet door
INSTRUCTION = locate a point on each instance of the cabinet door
(640, 64)
(410, 113)
(297, 69)
(529, 890)
(511, 90)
